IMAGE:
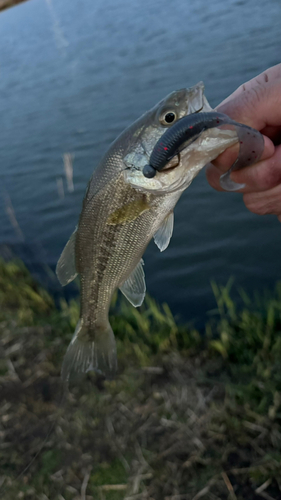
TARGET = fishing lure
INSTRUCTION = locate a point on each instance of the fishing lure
(189, 128)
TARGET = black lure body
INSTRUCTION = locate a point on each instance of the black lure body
(189, 128)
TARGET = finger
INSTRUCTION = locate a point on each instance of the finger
(267, 79)
(274, 133)
(228, 157)
(213, 175)
(265, 202)
(261, 176)
(258, 102)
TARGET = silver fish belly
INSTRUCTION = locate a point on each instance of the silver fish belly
(122, 211)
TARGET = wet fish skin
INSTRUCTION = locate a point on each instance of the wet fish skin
(122, 211)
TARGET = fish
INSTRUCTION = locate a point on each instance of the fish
(122, 211)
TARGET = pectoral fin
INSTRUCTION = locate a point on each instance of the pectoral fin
(128, 212)
(66, 270)
(134, 287)
(163, 235)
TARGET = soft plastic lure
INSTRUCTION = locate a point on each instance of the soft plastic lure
(189, 128)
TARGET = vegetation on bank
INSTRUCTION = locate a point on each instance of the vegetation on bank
(189, 416)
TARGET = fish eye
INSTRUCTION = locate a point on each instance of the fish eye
(168, 118)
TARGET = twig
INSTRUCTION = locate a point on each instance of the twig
(140, 456)
(113, 487)
(229, 485)
(254, 427)
(138, 479)
(242, 470)
(124, 462)
(201, 493)
(138, 496)
(110, 428)
(85, 484)
(256, 447)
(154, 370)
(205, 490)
(260, 490)
(263, 486)
(12, 370)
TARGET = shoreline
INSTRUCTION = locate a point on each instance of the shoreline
(187, 416)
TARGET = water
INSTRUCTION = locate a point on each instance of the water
(74, 74)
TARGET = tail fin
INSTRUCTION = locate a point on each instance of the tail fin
(90, 350)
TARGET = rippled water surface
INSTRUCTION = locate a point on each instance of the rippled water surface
(74, 74)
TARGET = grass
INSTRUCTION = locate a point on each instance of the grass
(191, 415)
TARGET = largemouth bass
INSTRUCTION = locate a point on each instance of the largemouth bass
(122, 211)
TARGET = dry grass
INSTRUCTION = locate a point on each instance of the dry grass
(182, 422)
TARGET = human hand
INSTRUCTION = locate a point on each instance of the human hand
(256, 103)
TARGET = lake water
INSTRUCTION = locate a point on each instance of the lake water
(74, 74)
